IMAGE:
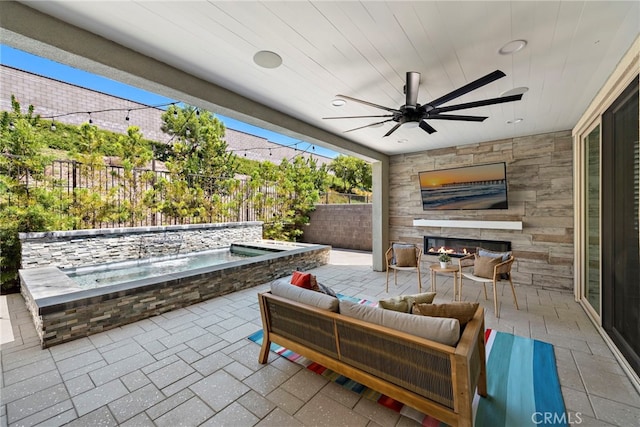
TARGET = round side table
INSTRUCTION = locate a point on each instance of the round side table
(435, 268)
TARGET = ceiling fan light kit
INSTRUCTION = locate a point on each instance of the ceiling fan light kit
(415, 115)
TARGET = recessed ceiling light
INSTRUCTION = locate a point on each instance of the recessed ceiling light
(402, 141)
(515, 91)
(512, 47)
(338, 102)
(514, 121)
(267, 59)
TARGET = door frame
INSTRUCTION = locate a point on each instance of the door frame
(621, 77)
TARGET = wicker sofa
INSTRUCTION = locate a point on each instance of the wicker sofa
(434, 378)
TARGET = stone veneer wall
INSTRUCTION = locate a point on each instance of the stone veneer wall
(76, 248)
(341, 226)
(540, 194)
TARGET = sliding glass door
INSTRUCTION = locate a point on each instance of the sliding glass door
(620, 219)
(591, 290)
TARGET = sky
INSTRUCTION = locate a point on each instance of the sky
(45, 67)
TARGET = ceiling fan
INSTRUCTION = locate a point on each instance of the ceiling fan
(412, 112)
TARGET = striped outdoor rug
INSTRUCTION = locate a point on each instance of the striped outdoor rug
(522, 384)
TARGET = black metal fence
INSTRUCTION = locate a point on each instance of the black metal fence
(332, 197)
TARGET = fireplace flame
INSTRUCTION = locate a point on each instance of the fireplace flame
(444, 250)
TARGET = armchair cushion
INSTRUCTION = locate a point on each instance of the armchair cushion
(483, 266)
(493, 254)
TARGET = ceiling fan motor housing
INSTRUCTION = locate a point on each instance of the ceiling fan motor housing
(412, 112)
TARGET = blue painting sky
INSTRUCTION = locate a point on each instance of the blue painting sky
(45, 67)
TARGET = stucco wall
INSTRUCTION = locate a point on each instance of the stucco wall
(540, 193)
(346, 226)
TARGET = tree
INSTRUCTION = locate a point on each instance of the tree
(22, 208)
(354, 173)
(21, 144)
(295, 188)
(198, 146)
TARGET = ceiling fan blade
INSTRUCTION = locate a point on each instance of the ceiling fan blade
(366, 126)
(427, 127)
(371, 104)
(393, 129)
(411, 88)
(468, 87)
(456, 117)
(473, 104)
(356, 117)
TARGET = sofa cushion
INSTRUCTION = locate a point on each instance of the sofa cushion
(483, 266)
(283, 288)
(442, 330)
(301, 279)
(404, 303)
(463, 311)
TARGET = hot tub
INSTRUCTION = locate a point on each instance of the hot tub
(63, 310)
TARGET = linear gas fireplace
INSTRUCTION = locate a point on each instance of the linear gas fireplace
(460, 247)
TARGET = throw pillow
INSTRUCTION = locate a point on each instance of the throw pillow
(493, 254)
(403, 303)
(483, 266)
(463, 311)
(301, 279)
(405, 257)
(326, 290)
(395, 247)
(319, 287)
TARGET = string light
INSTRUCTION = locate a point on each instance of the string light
(128, 110)
(187, 131)
(11, 126)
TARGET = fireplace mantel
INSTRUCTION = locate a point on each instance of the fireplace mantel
(451, 223)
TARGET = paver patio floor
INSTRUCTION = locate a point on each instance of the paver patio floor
(194, 366)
